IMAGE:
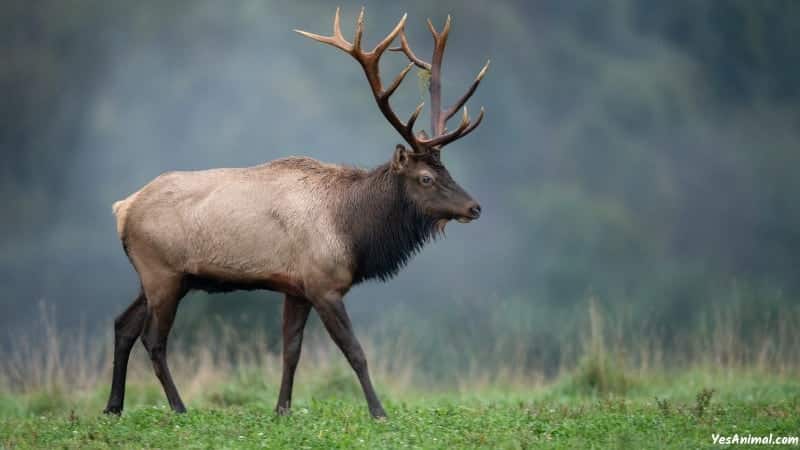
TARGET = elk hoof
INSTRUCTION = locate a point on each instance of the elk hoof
(112, 411)
(283, 411)
(378, 414)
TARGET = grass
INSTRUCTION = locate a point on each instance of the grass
(672, 412)
(51, 397)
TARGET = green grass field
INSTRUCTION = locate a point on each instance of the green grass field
(670, 412)
(610, 397)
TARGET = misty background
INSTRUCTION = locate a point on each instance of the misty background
(643, 154)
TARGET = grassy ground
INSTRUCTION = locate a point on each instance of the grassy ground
(675, 412)
(51, 397)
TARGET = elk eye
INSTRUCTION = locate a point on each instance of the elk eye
(426, 180)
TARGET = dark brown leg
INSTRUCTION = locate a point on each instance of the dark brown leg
(337, 322)
(295, 314)
(162, 305)
(127, 328)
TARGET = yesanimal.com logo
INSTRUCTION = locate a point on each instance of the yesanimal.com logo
(749, 439)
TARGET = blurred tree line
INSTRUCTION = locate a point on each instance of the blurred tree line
(638, 151)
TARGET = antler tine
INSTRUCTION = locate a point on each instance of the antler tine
(446, 29)
(336, 40)
(413, 119)
(384, 44)
(359, 32)
(337, 26)
(474, 125)
(410, 127)
(464, 128)
(439, 36)
(444, 138)
(399, 79)
(463, 100)
(405, 48)
(435, 88)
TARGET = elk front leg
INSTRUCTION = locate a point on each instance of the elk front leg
(334, 316)
(295, 314)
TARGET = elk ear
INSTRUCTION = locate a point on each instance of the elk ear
(400, 158)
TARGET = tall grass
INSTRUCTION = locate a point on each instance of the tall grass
(609, 354)
(52, 363)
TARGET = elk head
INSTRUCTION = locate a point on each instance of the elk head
(426, 181)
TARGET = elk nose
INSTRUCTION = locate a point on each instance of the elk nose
(474, 211)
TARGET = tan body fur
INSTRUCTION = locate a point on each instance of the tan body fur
(262, 225)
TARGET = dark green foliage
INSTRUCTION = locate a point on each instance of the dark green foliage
(599, 375)
(702, 402)
(663, 406)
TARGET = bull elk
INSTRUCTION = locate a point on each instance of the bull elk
(307, 229)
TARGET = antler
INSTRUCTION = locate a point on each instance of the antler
(440, 117)
(369, 62)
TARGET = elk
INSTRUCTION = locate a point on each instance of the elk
(297, 226)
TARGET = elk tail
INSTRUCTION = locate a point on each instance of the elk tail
(120, 209)
(116, 206)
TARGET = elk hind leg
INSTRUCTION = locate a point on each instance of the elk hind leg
(163, 295)
(127, 328)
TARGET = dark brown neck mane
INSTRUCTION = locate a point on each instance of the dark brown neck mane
(384, 227)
